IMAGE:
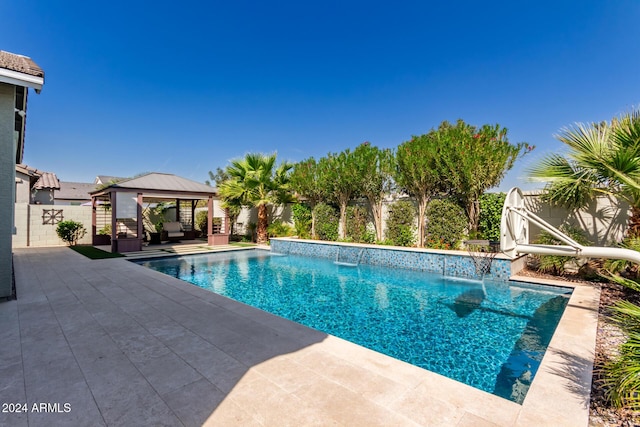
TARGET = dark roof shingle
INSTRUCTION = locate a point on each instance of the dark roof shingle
(74, 191)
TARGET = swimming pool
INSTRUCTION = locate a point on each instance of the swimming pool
(489, 335)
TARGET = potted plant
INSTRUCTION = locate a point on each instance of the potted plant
(156, 238)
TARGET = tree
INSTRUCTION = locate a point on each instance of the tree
(255, 181)
(374, 167)
(416, 174)
(473, 160)
(342, 181)
(309, 183)
(217, 178)
(603, 159)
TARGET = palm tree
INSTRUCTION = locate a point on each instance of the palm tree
(603, 158)
(255, 181)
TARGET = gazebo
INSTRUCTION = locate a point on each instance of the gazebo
(119, 209)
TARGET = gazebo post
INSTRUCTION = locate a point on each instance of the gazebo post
(114, 231)
(210, 239)
(193, 216)
(139, 222)
(177, 210)
(94, 220)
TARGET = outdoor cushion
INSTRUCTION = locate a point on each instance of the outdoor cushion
(173, 229)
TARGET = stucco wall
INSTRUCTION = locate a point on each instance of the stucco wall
(32, 232)
(7, 185)
(604, 221)
(23, 192)
(44, 197)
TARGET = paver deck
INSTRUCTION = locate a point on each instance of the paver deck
(108, 342)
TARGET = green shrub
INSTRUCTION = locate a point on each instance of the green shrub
(358, 229)
(626, 268)
(71, 231)
(302, 220)
(446, 224)
(326, 222)
(280, 229)
(105, 231)
(202, 220)
(555, 264)
(621, 373)
(400, 224)
(490, 215)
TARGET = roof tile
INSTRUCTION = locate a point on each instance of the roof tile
(47, 180)
(20, 63)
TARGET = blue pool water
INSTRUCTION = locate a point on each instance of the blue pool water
(489, 335)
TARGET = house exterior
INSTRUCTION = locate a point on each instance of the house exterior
(74, 193)
(18, 73)
(34, 186)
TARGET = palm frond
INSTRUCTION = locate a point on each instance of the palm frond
(622, 375)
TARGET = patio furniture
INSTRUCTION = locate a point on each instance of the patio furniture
(174, 231)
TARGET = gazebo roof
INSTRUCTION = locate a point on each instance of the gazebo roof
(160, 184)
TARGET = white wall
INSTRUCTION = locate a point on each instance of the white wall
(604, 221)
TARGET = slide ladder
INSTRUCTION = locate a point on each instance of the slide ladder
(514, 235)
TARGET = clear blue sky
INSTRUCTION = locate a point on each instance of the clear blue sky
(183, 87)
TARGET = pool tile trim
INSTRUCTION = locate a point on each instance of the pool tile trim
(448, 263)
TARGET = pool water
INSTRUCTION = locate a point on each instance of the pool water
(489, 335)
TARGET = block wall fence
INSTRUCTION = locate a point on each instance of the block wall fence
(31, 231)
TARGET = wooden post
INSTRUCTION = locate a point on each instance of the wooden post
(210, 238)
(94, 219)
(139, 214)
(177, 210)
(193, 215)
(114, 231)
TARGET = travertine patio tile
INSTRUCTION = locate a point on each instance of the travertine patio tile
(379, 389)
(194, 403)
(348, 407)
(228, 413)
(431, 410)
(218, 367)
(286, 373)
(135, 347)
(470, 420)
(168, 372)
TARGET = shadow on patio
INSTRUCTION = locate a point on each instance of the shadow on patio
(123, 345)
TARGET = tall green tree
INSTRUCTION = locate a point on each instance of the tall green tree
(603, 159)
(342, 181)
(375, 168)
(416, 174)
(473, 160)
(309, 183)
(256, 181)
